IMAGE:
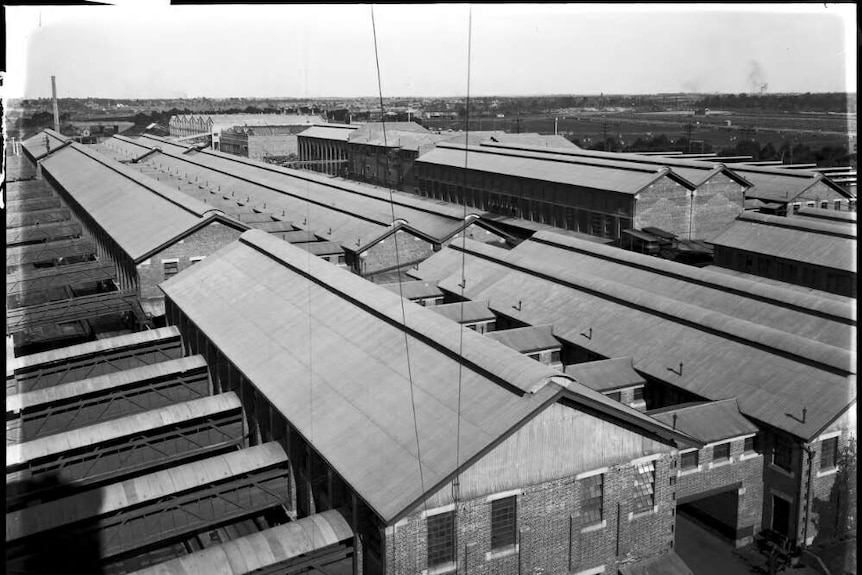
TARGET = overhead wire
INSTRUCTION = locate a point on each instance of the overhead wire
(398, 264)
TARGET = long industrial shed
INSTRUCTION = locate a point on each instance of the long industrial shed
(349, 425)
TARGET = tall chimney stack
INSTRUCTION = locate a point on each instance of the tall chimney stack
(56, 110)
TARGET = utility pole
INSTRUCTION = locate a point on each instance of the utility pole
(605, 132)
(689, 136)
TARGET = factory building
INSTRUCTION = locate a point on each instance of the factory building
(353, 445)
(146, 229)
(811, 252)
(593, 196)
(210, 127)
(783, 355)
(323, 148)
(264, 143)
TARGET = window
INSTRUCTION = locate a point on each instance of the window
(196, 259)
(644, 487)
(536, 356)
(837, 204)
(689, 460)
(441, 539)
(824, 205)
(171, 267)
(592, 498)
(782, 453)
(749, 445)
(615, 395)
(638, 394)
(555, 356)
(829, 453)
(721, 452)
(504, 520)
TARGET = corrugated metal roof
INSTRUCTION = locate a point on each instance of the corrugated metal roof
(115, 429)
(323, 132)
(551, 142)
(102, 383)
(334, 208)
(67, 353)
(42, 143)
(527, 339)
(826, 214)
(810, 247)
(138, 213)
(622, 178)
(606, 374)
(771, 373)
(847, 302)
(258, 551)
(841, 229)
(815, 318)
(465, 312)
(322, 345)
(709, 422)
(140, 490)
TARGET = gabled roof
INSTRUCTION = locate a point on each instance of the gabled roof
(606, 374)
(414, 289)
(527, 339)
(465, 311)
(140, 214)
(298, 315)
(709, 422)
(697, 172)
(621, 177)
(44, 143)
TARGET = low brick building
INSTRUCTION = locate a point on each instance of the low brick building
(523, 486)
(721, 483)
(261, 142)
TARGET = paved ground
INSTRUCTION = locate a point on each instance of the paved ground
(705, 553)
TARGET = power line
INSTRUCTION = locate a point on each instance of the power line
(398, 266)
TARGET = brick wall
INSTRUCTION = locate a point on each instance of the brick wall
(716, 204)
(382, 256)
(275, 145)
(746, 469)
(203, 242)
(829, 503)
(665, 205)
(550, 529)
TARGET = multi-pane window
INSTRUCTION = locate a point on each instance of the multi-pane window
(689, 460)
(171, 268)
(749, 445)
(721, 452)
(592, 497)
(638, 394)
(829, 453)
(644, 487)
(782, 452)
(504, 519)
(441, 539)
(615, 395)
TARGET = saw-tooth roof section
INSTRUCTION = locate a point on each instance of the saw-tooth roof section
(260, 551)
(619, 177)
(115, 429)
(773, 374)
(838, 229)
(819, 319)
(141, 490)
(710, 422)
(138, 213)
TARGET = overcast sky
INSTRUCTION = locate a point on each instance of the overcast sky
(328, 51)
